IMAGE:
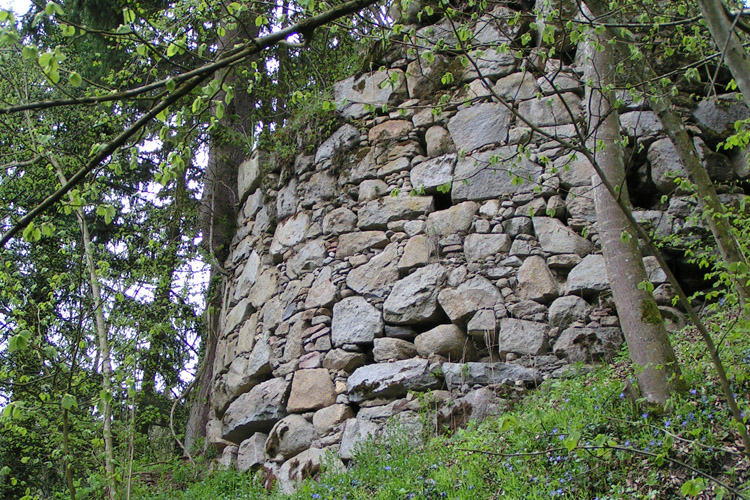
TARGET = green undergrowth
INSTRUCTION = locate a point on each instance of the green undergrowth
(582, 438)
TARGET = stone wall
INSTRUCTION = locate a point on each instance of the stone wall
(418, 251)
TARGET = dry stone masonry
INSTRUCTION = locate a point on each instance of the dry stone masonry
(415, 251)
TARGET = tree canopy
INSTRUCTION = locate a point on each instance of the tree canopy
(120, 124)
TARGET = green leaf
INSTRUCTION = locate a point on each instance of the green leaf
(13, 410)
(447, 78)
(75, 79)
(162, 115)
(45, 59)
(693, 487)
(48, 229)
(219, 110)
(197, 103)
(29, 53)
(508, 423)
(32, 233)
(261, 20)
(172, 50)
(170, 84)
(571, 442)
(444, 188)
(228, 93)
(105, 396)
(18, 342)
(68, 402)
(128, 15)
(52, 8)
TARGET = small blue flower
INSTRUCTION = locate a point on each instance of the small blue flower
(387, 467)
(644, 416)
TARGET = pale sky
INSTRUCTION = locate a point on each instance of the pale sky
(17, 6)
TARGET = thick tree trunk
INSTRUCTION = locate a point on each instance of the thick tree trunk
(229, 147)
(200, 408)
(655, 363)
(218, 217)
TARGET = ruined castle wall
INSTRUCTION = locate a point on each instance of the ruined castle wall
(454, 252)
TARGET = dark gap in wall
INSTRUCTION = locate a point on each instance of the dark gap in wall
(568, 54)
(643, 192)
(442, 200)
(690, 276)
(439, 318)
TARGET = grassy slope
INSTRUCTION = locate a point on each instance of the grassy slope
(577, 438)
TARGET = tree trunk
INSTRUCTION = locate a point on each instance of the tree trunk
(655, 363)
(729, 44)
(200, 408)
(708, 200)
(219, 207)
(101, 333)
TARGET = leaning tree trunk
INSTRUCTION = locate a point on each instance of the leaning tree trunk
(729, 44)
(708, 200)
(655, 363)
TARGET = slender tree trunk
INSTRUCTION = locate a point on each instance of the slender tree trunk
(66, 450)
(101, 332)
(729, 44)
(656, 367)
(708, 200)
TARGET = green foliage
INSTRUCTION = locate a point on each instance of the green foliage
(581, 437)
(141, 208)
